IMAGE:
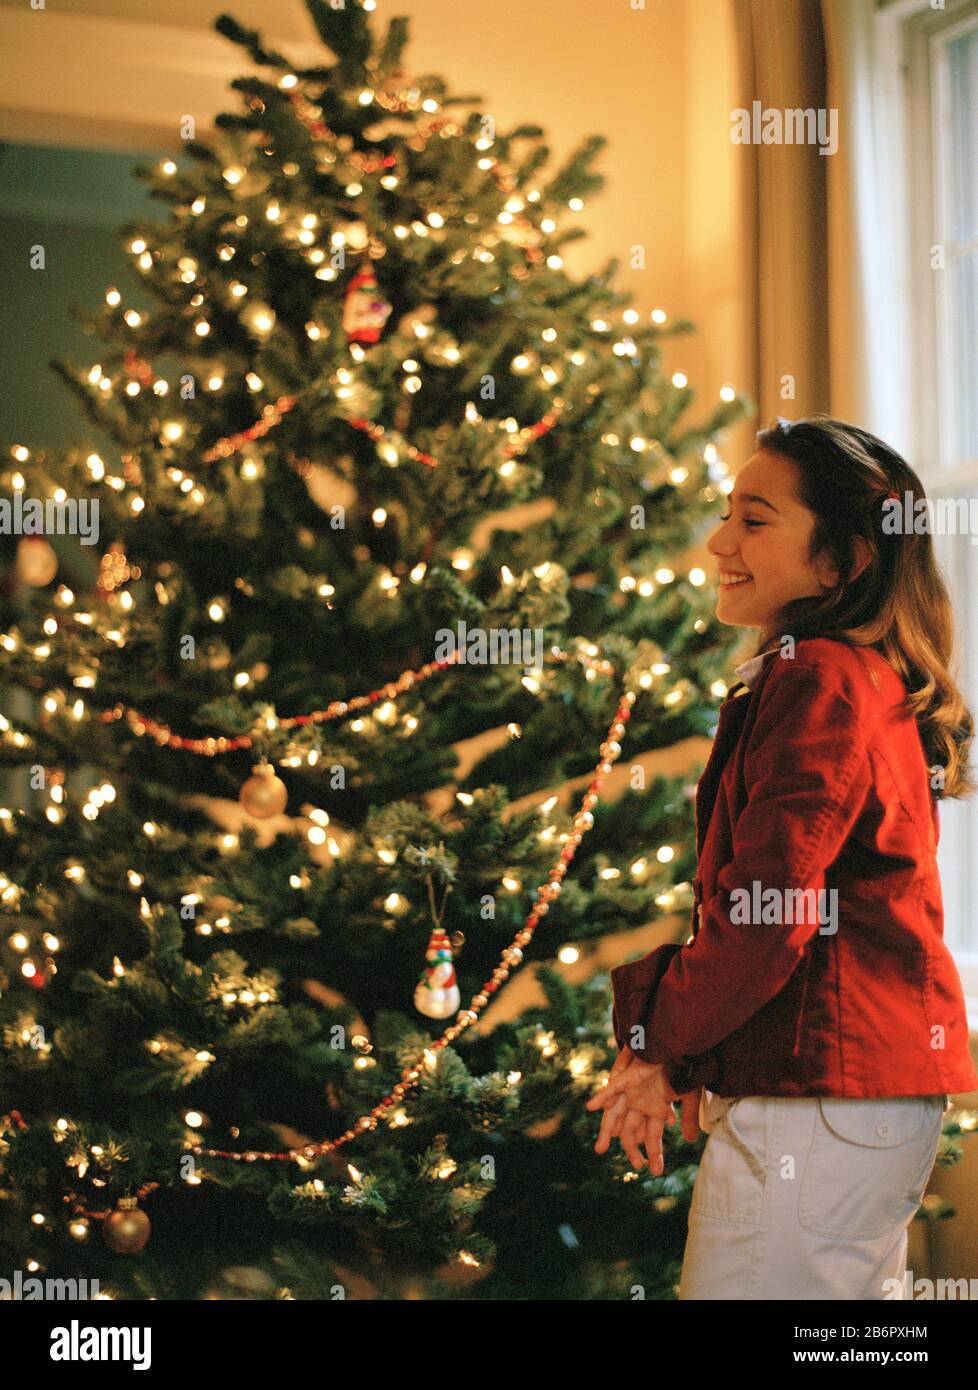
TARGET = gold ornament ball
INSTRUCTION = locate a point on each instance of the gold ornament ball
(126, 1231)
(264, 794)
(37, 563)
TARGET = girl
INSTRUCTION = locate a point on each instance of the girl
(814, 1023)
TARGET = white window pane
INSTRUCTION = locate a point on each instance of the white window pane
(959, 818)
(962, 56)
(963, 366)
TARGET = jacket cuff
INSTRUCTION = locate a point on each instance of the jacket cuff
(633, 987)
(693, 1072)
(633, 991)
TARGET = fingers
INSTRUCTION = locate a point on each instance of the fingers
(632, 1132)
(691, 1116)
(637, 1129)
(642, 1085)
(610, 1123)
(653, 1145)
(608, 1093)
(637, 1103)
(613, 1085)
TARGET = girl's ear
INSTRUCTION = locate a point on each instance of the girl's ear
(863, 555)
(828, 575)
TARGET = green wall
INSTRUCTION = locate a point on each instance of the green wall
(72, 202)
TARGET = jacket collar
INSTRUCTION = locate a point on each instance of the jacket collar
(748, 672)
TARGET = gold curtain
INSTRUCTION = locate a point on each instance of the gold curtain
(781, 63)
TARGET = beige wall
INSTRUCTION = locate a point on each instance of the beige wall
(660, 84)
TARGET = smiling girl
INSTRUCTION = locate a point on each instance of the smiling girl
(818, 1058)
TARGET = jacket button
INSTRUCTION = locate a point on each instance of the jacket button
(690, 940)
(882, 1130)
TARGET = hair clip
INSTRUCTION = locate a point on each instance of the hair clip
(892, 496)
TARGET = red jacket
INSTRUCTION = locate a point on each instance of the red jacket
(816, 780)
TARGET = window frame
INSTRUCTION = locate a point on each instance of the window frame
(912, 41)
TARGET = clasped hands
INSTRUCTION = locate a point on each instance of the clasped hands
(638, 1103)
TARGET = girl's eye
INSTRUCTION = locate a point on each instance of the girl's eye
(746, 523)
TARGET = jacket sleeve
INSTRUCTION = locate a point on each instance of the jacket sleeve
(807, 773)
(634, 986)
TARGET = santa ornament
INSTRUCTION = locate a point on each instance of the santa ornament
(365, 311)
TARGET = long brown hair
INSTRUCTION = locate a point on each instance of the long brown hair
(899, 604)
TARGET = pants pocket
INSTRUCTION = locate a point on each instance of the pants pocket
(712, 1109)
(730, 1183)
(867, 1168)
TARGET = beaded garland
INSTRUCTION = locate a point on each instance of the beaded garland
(528, 434)
(511, 958)
(273, 415)
(212, 746)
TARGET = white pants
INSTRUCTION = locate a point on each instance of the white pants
(807, 1198)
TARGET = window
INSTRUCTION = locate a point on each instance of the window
(954, 61)
(939, 67)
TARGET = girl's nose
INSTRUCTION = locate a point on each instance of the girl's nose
(714, 543)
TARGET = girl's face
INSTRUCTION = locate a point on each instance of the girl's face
(762, 545)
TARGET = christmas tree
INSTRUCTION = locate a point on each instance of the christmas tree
(387, 524)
